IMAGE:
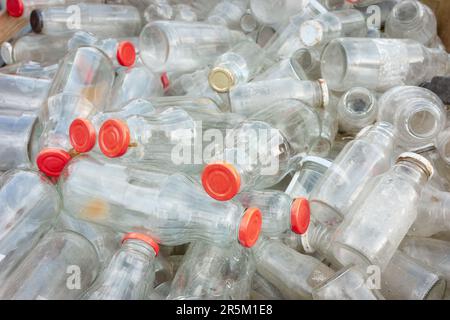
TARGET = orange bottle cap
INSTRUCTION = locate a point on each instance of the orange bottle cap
(142, 237)
(15, 8)
(126, 53)
(221, 181)
(250, 227)
(165, 81)
(114, 138)
(52, 161)
(82, 135)
(300, 215)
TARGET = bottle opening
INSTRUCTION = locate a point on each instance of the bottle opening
(423, 124)
(359, 101)
(406, 11)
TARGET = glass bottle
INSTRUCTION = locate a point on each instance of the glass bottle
(269, 12)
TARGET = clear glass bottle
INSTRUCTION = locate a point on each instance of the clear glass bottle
(349, 283)
(280, 212)
(443, 145)
(369, 155)
(257, 152)
(433, 253)
(228, 13)
(237, 66)
(23, 93)
(130, 274)
(23, 8)
(293, 273)
(356, 109)
(270, 12)
(175, 46)
(105, 21)
(249, 98)
(331, 25)
(417, 113)
(36, 47)
(213, 273)
(363, 3)
(380, 64)
(31, 69)
(136, 200)
(412, 19)
(390, 200)
(263, 289)
(407, 279)
(60, 267)
(29, 203)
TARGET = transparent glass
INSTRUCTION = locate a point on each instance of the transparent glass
(293, 273)
(29, 203)
(272, 12)
(105, 21)
(249, 98)
(348, 283)
(23, 93)
(379, 219)
(19, 134)
(228, 13)
(369, 155)
(417, 113)
(60, 267)
(133, 83)
(380, 64)
(128, 276)
(213, 273)
(443, 145)
(363, 3)
(413, 20)
(263, 289)
(407, 279)
(86, 72)
(171, 208)
(31, 69)
(182, 46)
(356, 109)
(331, 25)
(30, 5)
(286, 41)
(259, 150)
(237, 66)
(432, 252)
(36, 47)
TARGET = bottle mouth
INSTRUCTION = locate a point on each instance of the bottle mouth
(423, 123)
(36, 21)
(311, 33)
(359, 101)
(407, 12)
(221, 79)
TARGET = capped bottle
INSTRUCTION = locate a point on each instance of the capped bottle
(390, 200)
(130, 274)
(137, 200)
(23, 8)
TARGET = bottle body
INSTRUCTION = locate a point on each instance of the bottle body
(228, 13)
(271, 13)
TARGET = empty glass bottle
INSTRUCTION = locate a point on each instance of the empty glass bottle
(293, 273)
(258, 151)
(228, 13)
(331, 25)
(417, 113)
(23, 8)
(269, 12)
(211, 272)
(357, 109)
(60, 267)
(130, 274)
(380, 64)
(413, 20)
(407, 279)
(137, 200)
(175, 46)
(368, 235)
(280, 212)
(29, 204)
(105, 21)
(369, 155)
(249, 98)
(237, 66)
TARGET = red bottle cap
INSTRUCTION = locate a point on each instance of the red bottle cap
(15, 8)
(143, 237)
(300, 215)
(82, 135)
(52, 161)
(126, 53)
(165, 80)
(114, 138)
(250, 227)
(221, 180)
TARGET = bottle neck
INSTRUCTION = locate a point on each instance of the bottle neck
(138, 248)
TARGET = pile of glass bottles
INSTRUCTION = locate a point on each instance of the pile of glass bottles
(223, 149)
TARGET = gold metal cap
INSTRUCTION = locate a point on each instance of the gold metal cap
(221, 79)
